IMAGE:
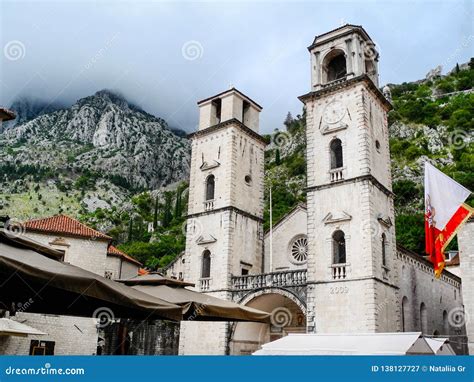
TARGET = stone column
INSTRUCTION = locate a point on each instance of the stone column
(349, 66)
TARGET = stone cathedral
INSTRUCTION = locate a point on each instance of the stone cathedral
(335, 265)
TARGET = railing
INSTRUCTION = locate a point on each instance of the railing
(339, 271)
(272, 279)
(204, 284)
(336, 174)
(209, 205)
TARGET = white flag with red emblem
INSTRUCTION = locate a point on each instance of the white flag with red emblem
(445, 212)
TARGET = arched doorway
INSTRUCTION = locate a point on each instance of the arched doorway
(288, 316)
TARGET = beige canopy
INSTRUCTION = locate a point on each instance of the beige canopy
(202, 307)
(59, 288)
(154, 278)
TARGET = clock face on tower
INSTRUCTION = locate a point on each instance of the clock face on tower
(334, 112)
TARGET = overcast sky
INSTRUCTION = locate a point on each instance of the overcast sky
(166, 56)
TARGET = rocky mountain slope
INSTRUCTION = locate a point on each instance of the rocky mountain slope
(95, 154)
(101, 134)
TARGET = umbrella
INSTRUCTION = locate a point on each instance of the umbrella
(13, 328)
(202, 307)
(59, 288)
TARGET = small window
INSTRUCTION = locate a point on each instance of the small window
(206, 264)
(336, 153)
(384, 254)
(245, 271)
(210, 187)
(180, 276)
(248, 179)
(339, 247)
(423, 318)
(217, 105)
(41, 347)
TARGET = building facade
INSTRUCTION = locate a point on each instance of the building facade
(331, 265)
(83, 247)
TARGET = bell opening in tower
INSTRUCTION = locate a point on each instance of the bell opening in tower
(335, 66)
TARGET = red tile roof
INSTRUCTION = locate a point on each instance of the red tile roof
(65, 225)
(113, 251)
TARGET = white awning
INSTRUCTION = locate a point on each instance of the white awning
(9, 327)
(348, 344)
(440, 346)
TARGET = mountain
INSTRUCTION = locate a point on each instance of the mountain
(27, 108)
(101, 136)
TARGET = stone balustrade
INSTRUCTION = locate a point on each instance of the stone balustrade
(339, 271)
(204, 284)
(272, 279)
(336, 174)
(209, 205)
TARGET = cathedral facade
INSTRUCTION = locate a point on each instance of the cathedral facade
(332, 265)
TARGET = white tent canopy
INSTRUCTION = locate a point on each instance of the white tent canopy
(9, 327)
(440, 346)
(348, 344)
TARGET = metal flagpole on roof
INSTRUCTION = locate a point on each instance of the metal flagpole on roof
(271, 232)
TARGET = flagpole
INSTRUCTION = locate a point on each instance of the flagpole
(271, 231)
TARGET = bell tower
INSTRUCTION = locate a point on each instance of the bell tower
(352, 270)
(224, 235)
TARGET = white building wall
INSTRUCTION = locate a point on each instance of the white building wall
(466, 256)
(85, 253)
(293, 226)
(72, 335)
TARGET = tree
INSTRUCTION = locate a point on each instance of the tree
(155, 215)
(130, 229)
(288, 120)
(167, 215)
(277, 157)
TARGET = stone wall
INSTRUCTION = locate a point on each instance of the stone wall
(466, 256)
(291, 227)
(72, 335)
(85, 253)
(441, 298)
(129, 337)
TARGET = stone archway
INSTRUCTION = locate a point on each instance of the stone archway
(288, 316)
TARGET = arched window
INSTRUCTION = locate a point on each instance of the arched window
(210, 186)
(335, 66)
(206, 264)
(404, 314)
(384, 254)
(423, 318)
(336, 153)
(339, 247)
